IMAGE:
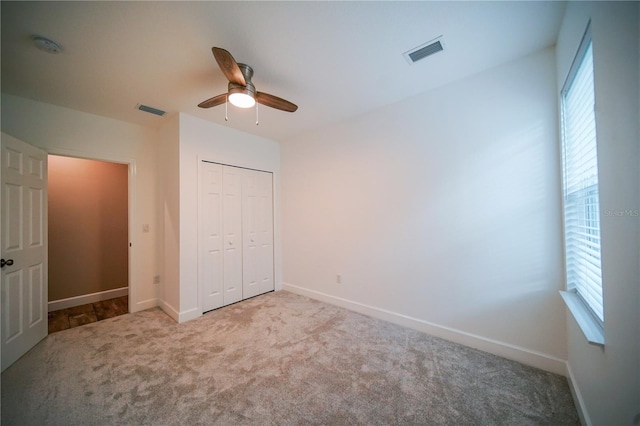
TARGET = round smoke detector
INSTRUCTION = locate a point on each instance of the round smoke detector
(46, 45)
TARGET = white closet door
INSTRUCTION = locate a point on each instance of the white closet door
(265, 232)
(257, 230)
(232, 230)
(250, 285)
(211, 257)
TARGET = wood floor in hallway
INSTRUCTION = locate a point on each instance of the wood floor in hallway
(84, 314)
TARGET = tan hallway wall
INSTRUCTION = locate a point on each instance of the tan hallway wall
(88, 230)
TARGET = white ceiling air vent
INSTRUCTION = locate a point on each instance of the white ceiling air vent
(150, 110)
(427, 49)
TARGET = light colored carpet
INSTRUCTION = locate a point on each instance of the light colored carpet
(279, 359)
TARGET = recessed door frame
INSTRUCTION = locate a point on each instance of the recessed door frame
(131, 199)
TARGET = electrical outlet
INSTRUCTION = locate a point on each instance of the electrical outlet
(339, 278)
(156, 279)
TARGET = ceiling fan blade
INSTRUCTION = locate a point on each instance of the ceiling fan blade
(215, 101)
(229, 66)
(275, 102)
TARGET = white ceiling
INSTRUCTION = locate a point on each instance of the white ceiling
(335, 60)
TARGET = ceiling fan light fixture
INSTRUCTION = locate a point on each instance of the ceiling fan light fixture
(242, 100)
(242, 96)
(241, 92)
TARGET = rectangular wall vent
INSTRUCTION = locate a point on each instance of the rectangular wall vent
(150, 110)
(418, 53)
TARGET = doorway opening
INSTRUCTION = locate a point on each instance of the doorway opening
(88, 215)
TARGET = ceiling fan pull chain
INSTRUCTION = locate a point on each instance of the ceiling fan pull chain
(226, 109)
(257, 121)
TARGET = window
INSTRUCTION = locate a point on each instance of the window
(580, 181)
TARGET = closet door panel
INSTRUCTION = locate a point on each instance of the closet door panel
(265, 232)
(210, 218)
(235, 234)
(232, 230)
(257, 221)
(250, 258)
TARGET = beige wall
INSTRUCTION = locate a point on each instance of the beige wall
(88, 230)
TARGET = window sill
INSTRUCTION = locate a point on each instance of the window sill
(591, 329)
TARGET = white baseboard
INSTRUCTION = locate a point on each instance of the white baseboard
(179, 317)
(189, 315)
(505, 350)
(169, 310)
(578, 400)
(87, 298)
(145, 304)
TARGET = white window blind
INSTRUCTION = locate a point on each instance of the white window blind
(580, 172)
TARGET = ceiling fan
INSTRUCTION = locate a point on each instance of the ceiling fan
(241, 91)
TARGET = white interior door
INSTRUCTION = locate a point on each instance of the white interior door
(250, 283)
(235, 227)
(24, 248)
(265, 232)
(210, 236)
(257, 229)
(232, 230)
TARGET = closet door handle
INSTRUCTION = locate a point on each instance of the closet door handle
(7, 262)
